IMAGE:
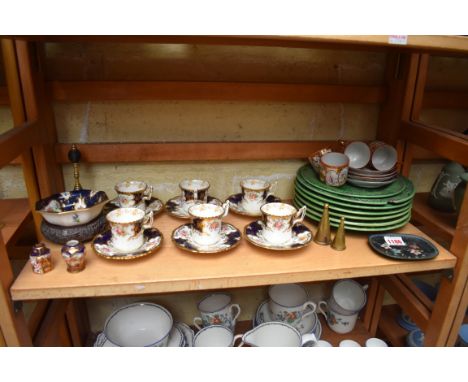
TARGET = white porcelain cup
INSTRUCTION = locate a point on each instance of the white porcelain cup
(290, 303)
(376, 342)
(277, 334)
(338, 322)
(216, 309)
(206, 222)
(215, 336)
(127, 226)
(254, 194)
(323, 344)
(358, 153)
(139, 324)
(349, 344)
(133, 193)
(194, 191)
(347, 297)
(278, 221)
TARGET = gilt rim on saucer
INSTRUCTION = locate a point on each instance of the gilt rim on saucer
(186, 216)
(233, 206)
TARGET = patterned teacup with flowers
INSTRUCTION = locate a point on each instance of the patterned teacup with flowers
(254, 194)
(194, 191)
(127, 226)
(278, 221)
(206, 222)
(290, 303)
(216, 309)
(133, 193)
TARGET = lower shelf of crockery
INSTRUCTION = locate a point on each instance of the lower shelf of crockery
(171, 269)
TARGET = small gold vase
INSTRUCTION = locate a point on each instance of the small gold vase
(322, 236)
(339, 242)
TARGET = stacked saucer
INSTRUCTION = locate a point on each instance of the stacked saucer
(370, 178)
(364, 210)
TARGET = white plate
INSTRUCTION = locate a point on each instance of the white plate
(187, 332)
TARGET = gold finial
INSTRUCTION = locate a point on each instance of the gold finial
(322, 236)
(339, 242)
(74, 156)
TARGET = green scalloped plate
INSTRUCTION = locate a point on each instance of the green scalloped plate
(399, 191)
(314, 202)
(361, 227)
(347, 203)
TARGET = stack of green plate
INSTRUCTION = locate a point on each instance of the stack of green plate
(364, 209)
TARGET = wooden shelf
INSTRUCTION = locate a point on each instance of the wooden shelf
(442, 223)
(13, 215)
(389, 327)
(171, 269)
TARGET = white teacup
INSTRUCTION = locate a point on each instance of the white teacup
(289, 302)
(338, 322)
(278, 221)
(277, 334)
(194, 191)
(127, 226)
(323, 344)
(349, 344)
(206, 221)
(133, 193)
(254, 194)
(216, 309)
(376, 342)
(139, 324)
(347, 297)
(215, 336)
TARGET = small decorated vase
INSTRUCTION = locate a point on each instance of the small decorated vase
(40, 258)
(73, 252)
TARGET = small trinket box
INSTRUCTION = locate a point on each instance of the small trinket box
(40, 258)
(73, 252)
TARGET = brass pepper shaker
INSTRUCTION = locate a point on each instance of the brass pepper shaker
(74, 155)
(322, 236)
(339, 242)
(40, 258)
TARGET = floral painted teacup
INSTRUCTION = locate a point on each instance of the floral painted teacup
(194, 191)
(334, 169)
(133, 193)
(206, 222)
(127, 227)
(278, 221)
(290, 303)
(216, 309)
(339, 323)
(254, 194)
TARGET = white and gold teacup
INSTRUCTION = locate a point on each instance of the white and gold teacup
(207, 223)
(278, 221)
(194, 191)
(254, 194)
(127, 226)
(133, 193)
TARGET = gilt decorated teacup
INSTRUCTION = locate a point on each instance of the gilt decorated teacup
(206, 222)
(334, 169)
(290, 303)
(216, 309)
(254, 194)
(127, 226)
(194, 191)
(133, 193)
(278, 221)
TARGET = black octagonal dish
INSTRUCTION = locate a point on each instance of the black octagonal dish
(403, 246)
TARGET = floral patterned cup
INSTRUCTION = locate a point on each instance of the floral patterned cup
(127, 226)
(254, 194)
(206, 222)
(278, 220)
(133, 193)
(334, 169)
(289, 302)
(216, 309)
(194, 191)
(339, 323)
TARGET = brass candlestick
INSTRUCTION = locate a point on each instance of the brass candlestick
(322, 236)
(74, 156)
(339, 242)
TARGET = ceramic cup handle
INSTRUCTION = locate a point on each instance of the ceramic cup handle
(272, 189)
(312, 306)
(195, 194)
(198, 323)
(235, 308)
(309, 339)
(148, 220)
(238, 337)
(299, 217)
(364, 287)
(321, 310)
(148, 193)
(225, 207)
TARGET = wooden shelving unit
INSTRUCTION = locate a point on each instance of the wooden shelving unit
(169, 270)
(15, 214)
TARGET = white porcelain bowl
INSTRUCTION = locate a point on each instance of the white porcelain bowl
(139, 324)
(384, 158)
(358, 153)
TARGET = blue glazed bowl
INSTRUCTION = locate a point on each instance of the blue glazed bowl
(72, 208)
